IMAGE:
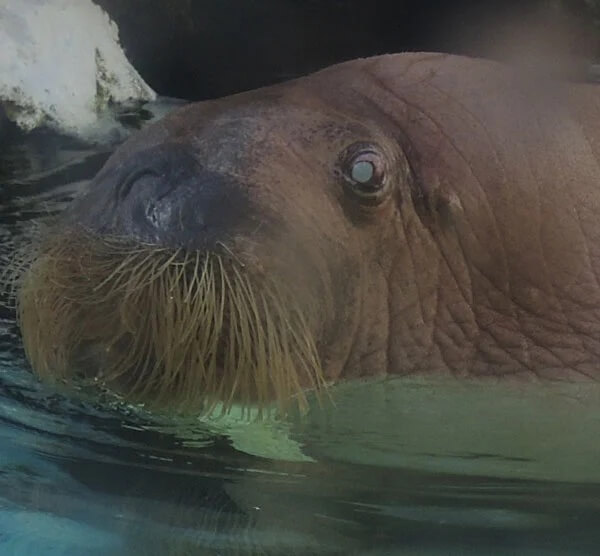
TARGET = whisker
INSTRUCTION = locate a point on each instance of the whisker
(172, 329)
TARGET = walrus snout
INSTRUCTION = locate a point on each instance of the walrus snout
(165, 196)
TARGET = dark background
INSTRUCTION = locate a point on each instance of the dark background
(199, 49)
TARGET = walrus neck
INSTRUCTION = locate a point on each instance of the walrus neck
(437, 314)
(465, 328)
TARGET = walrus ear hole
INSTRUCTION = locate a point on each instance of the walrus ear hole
(363, 171)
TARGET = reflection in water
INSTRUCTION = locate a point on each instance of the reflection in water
(390, 467)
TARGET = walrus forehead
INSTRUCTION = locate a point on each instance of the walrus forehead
(243, 137)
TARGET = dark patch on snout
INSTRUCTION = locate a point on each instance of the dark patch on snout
(165, 196)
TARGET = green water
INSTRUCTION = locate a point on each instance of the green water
(403, 466)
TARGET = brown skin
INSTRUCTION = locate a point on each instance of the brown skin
(480, 256)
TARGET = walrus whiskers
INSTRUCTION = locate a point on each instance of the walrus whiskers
(164, 327)
(12, 268)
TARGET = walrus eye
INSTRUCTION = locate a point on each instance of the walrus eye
(362, 169)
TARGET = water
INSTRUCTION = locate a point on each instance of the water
(417, 466)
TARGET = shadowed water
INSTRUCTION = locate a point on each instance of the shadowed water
(388, 467)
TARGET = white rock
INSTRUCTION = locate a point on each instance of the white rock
(61, 65)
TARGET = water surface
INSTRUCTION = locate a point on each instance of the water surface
(413, 466)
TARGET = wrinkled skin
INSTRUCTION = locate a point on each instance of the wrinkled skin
(482, 256)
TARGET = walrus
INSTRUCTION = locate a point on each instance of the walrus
(400, 214)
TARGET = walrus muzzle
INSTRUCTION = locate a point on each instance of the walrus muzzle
(163, 326)
(209, 262)
(138, 288)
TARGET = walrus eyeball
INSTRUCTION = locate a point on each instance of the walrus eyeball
(362, 168)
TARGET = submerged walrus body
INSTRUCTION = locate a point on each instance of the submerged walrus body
(413, 213)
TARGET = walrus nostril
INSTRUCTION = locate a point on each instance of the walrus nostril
(180, 209)
(123, 190)
(166, 196)
(152, 214)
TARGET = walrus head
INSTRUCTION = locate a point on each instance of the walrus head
(218, 255)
